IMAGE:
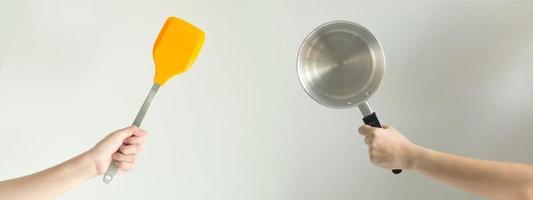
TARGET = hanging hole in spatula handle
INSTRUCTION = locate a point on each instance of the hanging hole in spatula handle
(110, 173)
(372, 120)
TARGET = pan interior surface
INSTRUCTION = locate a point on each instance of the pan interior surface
(340, 64)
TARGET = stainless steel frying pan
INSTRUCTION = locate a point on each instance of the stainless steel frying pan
(340, 65)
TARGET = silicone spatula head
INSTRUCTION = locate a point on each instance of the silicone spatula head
(176, 48)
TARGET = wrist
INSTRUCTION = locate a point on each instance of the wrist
(89, 164)
(418, 154)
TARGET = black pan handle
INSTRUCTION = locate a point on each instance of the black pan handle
(372, 120)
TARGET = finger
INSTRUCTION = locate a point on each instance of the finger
(124, 158)
(125, 166)
(366, 130)
(138, 131)
(136, 139)
(386, 126)
(130, 149)
(367, 141)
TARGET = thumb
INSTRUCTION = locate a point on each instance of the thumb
(385, 126)
(122, 134)
(366, 130)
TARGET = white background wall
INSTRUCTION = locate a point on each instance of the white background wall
(238, 125)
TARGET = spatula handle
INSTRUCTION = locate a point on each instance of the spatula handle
(112, 169)
(372, 120)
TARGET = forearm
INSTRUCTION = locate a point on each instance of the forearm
(496, 180)
(50, 183)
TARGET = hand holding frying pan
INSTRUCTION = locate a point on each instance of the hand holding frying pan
(341, 64)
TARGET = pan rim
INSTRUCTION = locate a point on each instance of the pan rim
(310, 35)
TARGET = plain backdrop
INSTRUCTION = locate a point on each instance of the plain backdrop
(238, 126)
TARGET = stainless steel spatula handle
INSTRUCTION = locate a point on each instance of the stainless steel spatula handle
(113, 169)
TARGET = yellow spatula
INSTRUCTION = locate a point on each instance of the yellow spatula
(175, 49)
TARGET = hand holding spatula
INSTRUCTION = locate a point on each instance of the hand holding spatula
(175, 49)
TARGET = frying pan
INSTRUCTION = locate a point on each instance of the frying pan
(340, 65)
